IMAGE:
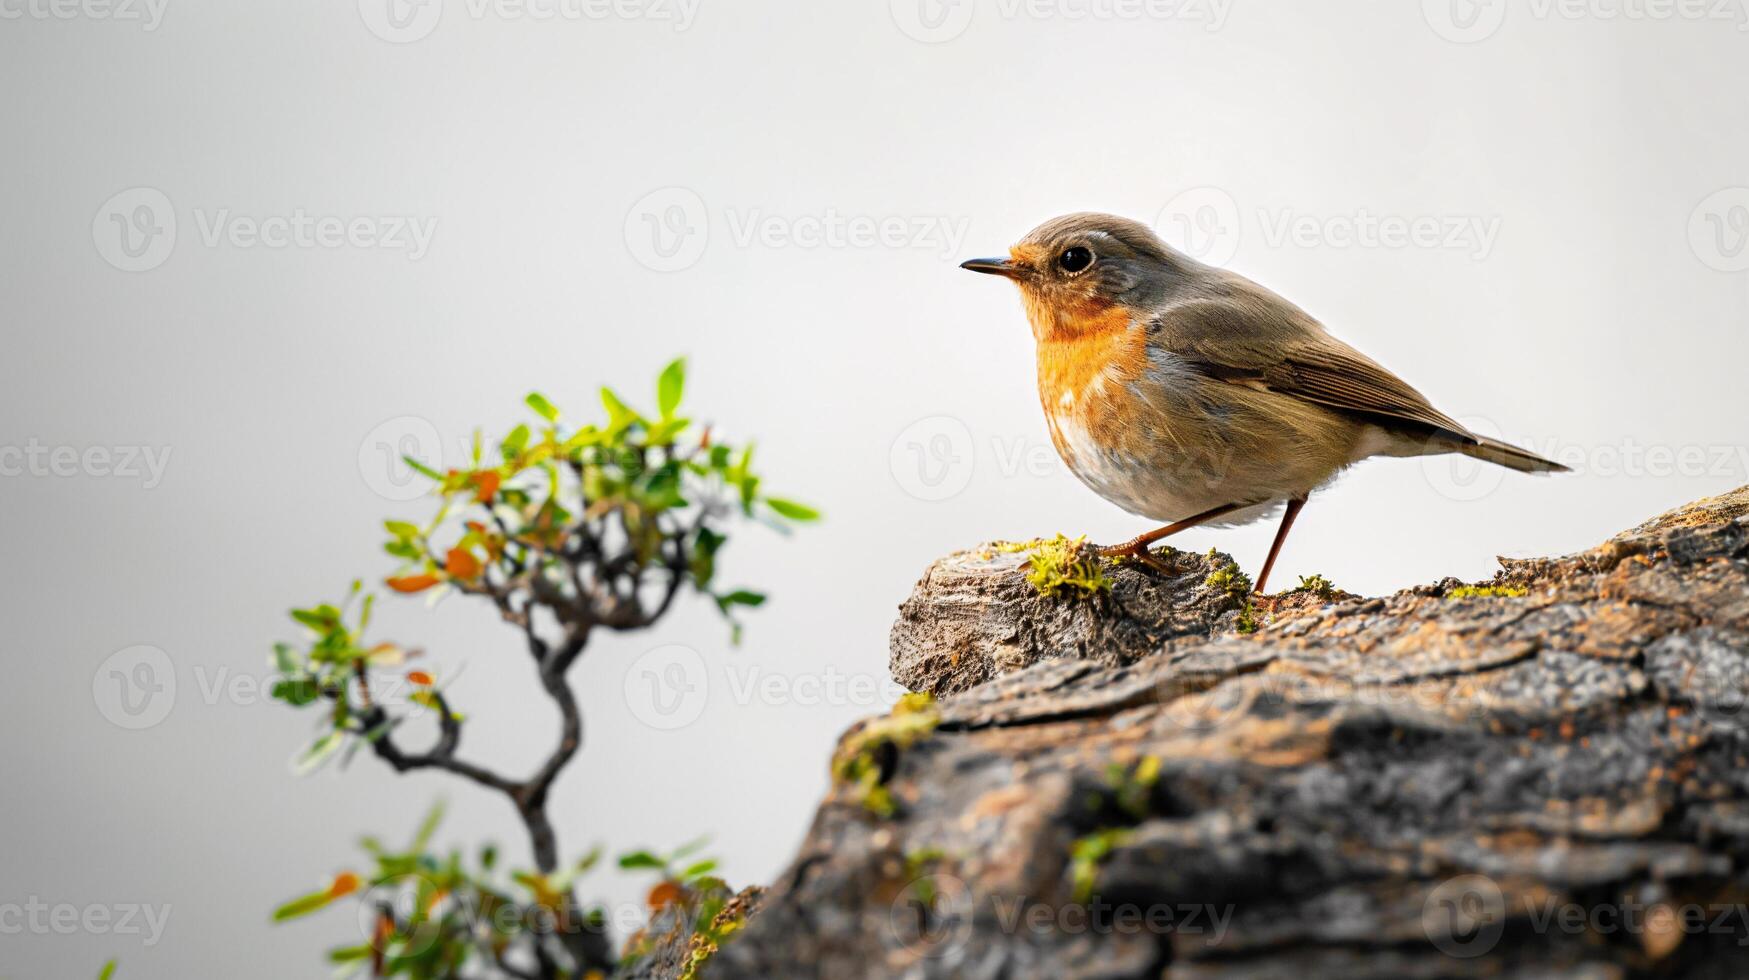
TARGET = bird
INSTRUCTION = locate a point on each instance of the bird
(1190, 395)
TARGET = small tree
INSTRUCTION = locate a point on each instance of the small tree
(565, 531)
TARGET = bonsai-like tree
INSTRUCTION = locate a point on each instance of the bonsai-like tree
(565, 531)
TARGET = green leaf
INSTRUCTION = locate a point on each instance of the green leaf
(108, 971)
(319, 751)
(297, 691)
(350, 954)
(700, 868)
(640, 859)
(542, 407)
(427, 827)
(619, 415)
(303, 905)
(421, 468)
(315, 619)
(514, 443)
(741, 597)
(402, 530)
(284, 658)
(692, 846)
(670, 386)
(793, 510)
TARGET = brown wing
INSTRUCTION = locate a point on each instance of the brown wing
(1256, 338)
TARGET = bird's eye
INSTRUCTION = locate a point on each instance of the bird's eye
(1075, 259)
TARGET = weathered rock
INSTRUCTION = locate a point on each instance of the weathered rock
(974, 616)
(1552, 780)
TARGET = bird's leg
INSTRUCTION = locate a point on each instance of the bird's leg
(1287, 521)
(1137, 547)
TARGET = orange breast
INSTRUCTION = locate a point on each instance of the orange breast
(1084, 372)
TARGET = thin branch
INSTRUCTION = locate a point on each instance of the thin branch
(440, 756)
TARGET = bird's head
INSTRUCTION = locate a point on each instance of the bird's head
(1084, 272)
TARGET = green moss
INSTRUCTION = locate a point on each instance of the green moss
(1132, 786)
(858, 762)
(1228, 578)
(714, 928)
(1057, 566)
(1087, 854)
(1487, 592)
(917, 863)
(1317, 585)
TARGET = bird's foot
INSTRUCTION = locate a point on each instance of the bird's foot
(1264, 604)
(1136, 551)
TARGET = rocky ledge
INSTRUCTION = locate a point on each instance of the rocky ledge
(1540, 776)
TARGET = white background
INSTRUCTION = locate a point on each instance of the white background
(1607, 314)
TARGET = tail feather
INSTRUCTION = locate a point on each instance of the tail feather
(1510, 456)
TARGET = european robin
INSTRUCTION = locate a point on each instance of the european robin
(1191, 395)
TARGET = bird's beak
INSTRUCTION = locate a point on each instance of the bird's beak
(993, 267)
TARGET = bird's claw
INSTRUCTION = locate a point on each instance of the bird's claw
(1137, 552)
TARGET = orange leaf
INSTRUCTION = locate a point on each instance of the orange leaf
(487, 481)
(419, 677)
(663, 895)
(345, 883)
(461, 564)
(412, 583)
